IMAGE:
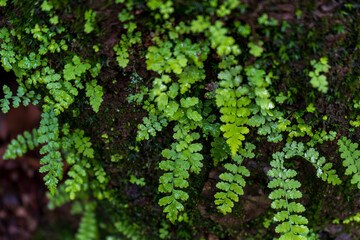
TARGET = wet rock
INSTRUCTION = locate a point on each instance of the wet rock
(254, 206)
(132, 190)
(286, 7)
(329, 7)
(213, 237)
(333, 228)
(344, 236)
(10, 200)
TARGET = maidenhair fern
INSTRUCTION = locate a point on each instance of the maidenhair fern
(121, 49)
(7, 52)
(318, 80)
(90, 21)
(293, 226)
(94, 92)
(284, 196)
(323, 169)
(19, 146)
(52, 161)
(232, 181)
(219, 150)
(77, 179)
(3, 3)
(88, 229)
(78, 152)
(150, 126)
(59, 198)
(170, 101)
(75, 68)
(354, 218)
(129, 229)
(351, 155)
(232, 105)
(182, 157)
(23, 96)
(238, 101)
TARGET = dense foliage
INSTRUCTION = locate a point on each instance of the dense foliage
(161, 119)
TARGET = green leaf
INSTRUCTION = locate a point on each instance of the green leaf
(193, 115)
(317, 79)
(234, 135)
(189, 76)
(189, 102)
(94, 92)
(90, 21)
(255, 48)
(46, 6)
(256, 121)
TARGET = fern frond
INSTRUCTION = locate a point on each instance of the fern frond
(232, 101)
(52, 161)
(220, 150)
(59, 198)
(77, 180)
(176, 177)
(22, 96)
(291, 224)
(231, 185)
(88, 226)
(351, 155)
(150, 126)
(183, 156)
(99, 184)
(323, 170)
(82, 144)
(19, 146)
(79, 153)
(129, 230)
(233, 182)
(94, 92)
(354, 218)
